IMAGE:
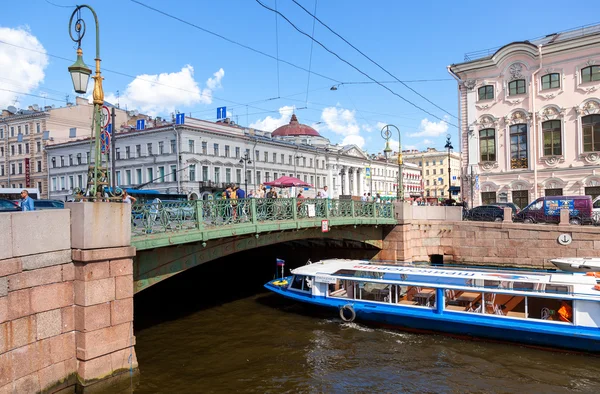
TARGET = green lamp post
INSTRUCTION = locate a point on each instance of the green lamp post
(387, 134)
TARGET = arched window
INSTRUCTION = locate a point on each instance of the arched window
(487, 144)
(516, 87)
(518, 146)
(486, 92)
(591, 133)
(552, 141)
(551, 81)
(590, 74)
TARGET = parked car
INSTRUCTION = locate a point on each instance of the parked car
(48, 204)
(9, 206)
(512, 205)
(547, 210)
(596, 210)
(485, 213)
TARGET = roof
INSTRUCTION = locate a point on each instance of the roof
(544, 41)
(295, 128)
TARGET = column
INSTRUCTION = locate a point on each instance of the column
(103, 288)
(360, 180)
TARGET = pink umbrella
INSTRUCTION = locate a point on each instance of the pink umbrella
(288, 181)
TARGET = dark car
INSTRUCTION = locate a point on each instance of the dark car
(9, 206)
(48, 204)
(512, 205)
(485, 213)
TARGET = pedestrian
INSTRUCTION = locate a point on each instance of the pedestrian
(26, 201)
(324, 193)
(364, 198)
(239, 192)
(127, 199)
(319, 195)
(369, 197)
(378, 198)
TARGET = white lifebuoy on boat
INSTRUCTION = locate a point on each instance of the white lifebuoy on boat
(344, 311)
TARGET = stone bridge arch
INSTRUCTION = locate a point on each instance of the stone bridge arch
(155, 265)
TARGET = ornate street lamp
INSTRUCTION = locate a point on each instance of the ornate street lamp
(387, 134)
(449, 147)
(80, 73)
(246, 161)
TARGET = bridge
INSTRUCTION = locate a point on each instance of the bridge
(171, 237)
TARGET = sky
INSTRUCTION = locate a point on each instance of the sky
(194, 56)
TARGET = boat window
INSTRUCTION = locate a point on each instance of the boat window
(463, 301)
(550, 309)
(523, 286)
(415, 295)
(558, 289)
(298, 282)
(360, 274)
(491, 284)
(342, 289)
(504, 305)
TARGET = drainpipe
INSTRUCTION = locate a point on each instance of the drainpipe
(458, 81)
(7, 154)
(177, 158)
(254, 162)
(534, 124)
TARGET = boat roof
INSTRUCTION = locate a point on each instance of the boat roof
(332, 266)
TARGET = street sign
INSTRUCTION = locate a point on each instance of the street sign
(109, 129)
(221, 113)
(368, 172)
(104, 141)
(324, 226)
(27, 173)
(104, 116)
(180, 119)
(453, 177)
(140, 124)
(477, 182)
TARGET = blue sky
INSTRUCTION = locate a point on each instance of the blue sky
(197, 72)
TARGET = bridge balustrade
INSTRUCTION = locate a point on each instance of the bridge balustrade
(162, 217)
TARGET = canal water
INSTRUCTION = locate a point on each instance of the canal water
(215, 330)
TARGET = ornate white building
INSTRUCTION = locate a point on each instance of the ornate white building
(200, 158)
(530, 118)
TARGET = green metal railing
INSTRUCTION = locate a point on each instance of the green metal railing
(166, 217)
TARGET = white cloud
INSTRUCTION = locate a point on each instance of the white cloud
(340, 121)
(431, 129)
(367, 127)
(354, 140)
(381, 125)
(427, 142)
(163, 93)
(270, 123)
(22, 68)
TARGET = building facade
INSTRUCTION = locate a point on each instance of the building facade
(25, 135)
(199, 158)
(530, 119)
(434, 168)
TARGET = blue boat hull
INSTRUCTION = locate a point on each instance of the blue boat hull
(464, 325)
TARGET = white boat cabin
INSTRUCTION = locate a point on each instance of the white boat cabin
(562, 298)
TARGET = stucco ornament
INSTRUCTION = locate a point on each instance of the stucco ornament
(592, 158)
(488, 165)
(591, 107)
(552, 161)
(470, 83)
(516, 71)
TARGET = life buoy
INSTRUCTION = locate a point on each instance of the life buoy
(597, 287)
(344, 311)
(280, 282)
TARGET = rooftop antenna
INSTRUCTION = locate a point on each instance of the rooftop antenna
(118, 100)
(67, 99)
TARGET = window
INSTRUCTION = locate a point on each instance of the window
(520, 197)
(588, 74)
(591, 133)
(266, 157)
(20, 149)
(161, 147)
(205, 173)
(12, 169)
(516, 87)
(192, 172)
(12, 150)
(161, 174)
(62, 161)
(304, 163)
(173, 173)
(138, 150)
(217, 175)
(282, 159)
(274, 157)
(192, 146)
(486, 92)
(127, 152)
(267, 177)
(78, 158)
(257, 155)
(434, 171)
(173, 146)
(2, 134)
(553, 192)
(487, 144)
(53, 184)
(204, 147)
(290, 159)
(238, 175)
(426, 172)
(1, 151)
(138, 176)
(128, 177)
(427, 163)
(20, 168)
(226, 150)
(150, 174)
(552, 142)
(228, 175)
(80, 181)
(26, 129)
(488, 198)
(2, 171)
(518, 147)
(237, 152)
(38, 147)
(258, 178)
(39, 186)
(87, 156)
(118, 177)
(441, 170)
(70, 160)
(118, 152)
(12, 131)
(149, 147)
(551, 81)
(27, 148)
(427, 182)
(38, 129)
(39, 166)
(216, 149)
(441, 162)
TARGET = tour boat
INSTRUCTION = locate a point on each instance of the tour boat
(545, 309)
(578, 264)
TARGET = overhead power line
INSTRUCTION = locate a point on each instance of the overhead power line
(32, 95)
(230, 40)
(353, 66)
(371, 60)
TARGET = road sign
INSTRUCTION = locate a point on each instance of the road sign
(104, 141)
(104, 116)
(221, 113)
(324, 226)
(368, 172)
(180, 119)
(453, 177)
(477, 182)
(140, 124)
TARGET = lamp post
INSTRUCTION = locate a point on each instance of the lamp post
(246, 161)
(449, 147)
(80, 74)
(387, 134)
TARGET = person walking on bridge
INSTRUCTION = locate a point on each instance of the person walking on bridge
(26, 201)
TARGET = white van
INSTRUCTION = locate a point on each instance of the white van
(596, 209)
